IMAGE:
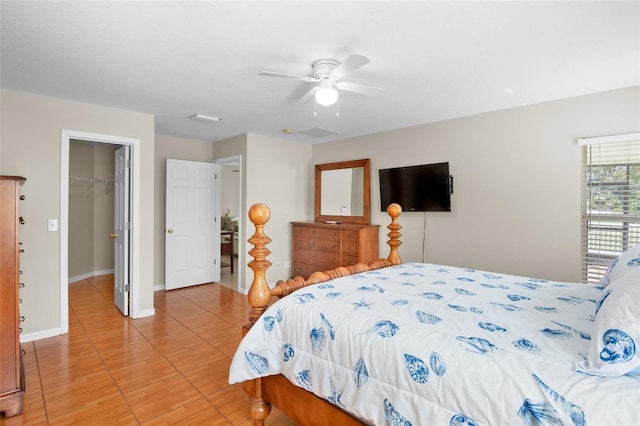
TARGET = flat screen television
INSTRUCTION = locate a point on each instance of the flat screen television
(422, 188)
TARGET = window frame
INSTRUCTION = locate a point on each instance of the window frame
(611, 231)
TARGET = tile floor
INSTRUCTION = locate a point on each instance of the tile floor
(170, 368)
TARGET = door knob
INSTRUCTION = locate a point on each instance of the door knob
(112, 236)
(170, 230)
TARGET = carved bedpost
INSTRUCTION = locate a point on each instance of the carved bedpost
(394, 210)
(259, 297)
(259, 294)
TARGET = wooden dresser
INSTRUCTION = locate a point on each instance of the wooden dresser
(319, 246)
(11, 372)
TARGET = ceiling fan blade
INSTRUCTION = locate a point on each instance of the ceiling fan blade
(310, 95)
(283, 75)
(349, 65)
(362, 89)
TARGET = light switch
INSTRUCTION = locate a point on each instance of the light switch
(52, 225)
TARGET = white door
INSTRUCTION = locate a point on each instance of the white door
(192, 231)
(121, 232)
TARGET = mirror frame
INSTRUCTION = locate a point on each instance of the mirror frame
(366, 195)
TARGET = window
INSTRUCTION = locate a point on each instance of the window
(611, 201)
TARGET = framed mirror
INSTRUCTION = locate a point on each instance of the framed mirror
(343, 192)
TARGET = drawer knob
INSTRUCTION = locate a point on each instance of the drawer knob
(21, 220)
(22, 197)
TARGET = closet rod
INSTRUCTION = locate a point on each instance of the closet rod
(82, 179)
(94, 181)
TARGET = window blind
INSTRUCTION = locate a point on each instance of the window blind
(611, 201)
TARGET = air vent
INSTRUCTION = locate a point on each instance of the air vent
(318, 132)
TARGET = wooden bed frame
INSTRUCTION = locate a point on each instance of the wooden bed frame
(297, 403)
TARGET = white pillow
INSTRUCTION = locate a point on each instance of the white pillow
(629, 259)
(615, 339)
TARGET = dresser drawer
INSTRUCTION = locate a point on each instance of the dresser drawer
(300, 237)
(348, 260)
(299, 269)
(351, 242)
(324, 234)
(328, 245)
(300, 254)
(325, 260)
(320, 247)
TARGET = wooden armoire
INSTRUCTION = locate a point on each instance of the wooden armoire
(11, 370)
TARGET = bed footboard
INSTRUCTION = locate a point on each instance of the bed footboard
(296, 402)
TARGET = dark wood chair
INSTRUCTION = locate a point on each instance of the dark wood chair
(226, 248)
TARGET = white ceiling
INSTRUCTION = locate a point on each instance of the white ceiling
(435, 60)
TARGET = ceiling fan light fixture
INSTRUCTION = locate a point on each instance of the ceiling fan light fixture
(327, 94)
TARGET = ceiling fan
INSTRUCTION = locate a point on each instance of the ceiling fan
(328, 77)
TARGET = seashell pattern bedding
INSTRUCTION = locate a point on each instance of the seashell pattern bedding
(418, 344)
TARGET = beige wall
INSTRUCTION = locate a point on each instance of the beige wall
(30, 133)
(274, 172)
(517, 200)
(177, 149)
(81, 211)
(104, 208)
(278, 175)
(91, 209)
(230, 194)
(231, 147)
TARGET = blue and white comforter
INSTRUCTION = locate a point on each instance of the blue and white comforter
(419, 344)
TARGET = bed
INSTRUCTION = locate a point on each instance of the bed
(423, 344)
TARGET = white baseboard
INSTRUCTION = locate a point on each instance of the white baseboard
(30, 337)
(144, 313)
(158, 287)
(89, 275)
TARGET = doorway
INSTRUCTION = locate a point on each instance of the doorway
(134, 209)
(233, 217)
(192, 230)
(91, 209)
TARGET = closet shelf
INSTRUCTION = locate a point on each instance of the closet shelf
(94, 181)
